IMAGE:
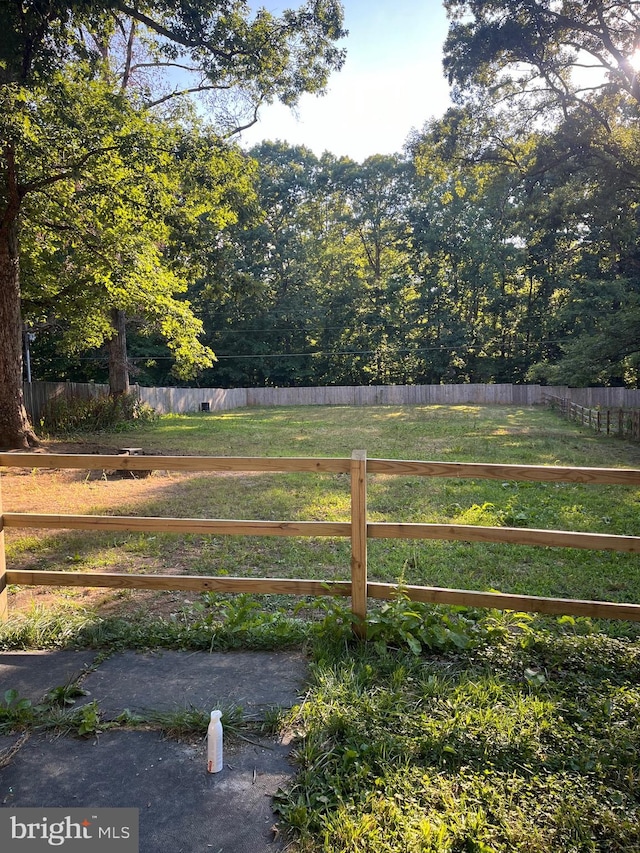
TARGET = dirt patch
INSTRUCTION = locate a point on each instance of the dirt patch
(105, 602)
(94, 492)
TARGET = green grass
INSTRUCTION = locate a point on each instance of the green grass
(461, 433)
(450, 730)
(529, 743)
(531, 435)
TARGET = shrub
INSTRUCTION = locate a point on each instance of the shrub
(67, 414)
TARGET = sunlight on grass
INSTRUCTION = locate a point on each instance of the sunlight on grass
(451, 729)
(459, 433)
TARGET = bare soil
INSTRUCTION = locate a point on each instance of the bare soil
(43, 490)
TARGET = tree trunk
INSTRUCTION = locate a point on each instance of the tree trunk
(15, 429)
(118, 366)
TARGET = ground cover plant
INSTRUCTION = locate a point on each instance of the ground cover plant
(450, 729)
(527, 741)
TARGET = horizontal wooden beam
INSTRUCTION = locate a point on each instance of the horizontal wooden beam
(186, 583)
(531, 473)
(510, 535)
(124, 462)
(472, 470)
(148, 524)
(296, 586)
(375, 530)
(499, 601)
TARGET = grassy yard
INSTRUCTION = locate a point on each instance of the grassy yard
(462, 433)
(450, 730)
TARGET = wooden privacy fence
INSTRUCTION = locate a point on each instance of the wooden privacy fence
(185, 400)
(622, 422)
(358, 529)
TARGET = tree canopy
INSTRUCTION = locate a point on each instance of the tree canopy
(98, 151)
(502, 245)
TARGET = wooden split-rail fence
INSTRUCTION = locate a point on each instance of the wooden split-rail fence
(622, 422)
(358, 529)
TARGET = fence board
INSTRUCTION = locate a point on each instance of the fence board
(506, 601)
(359, 536)
(146, 524)
(358, 529)
(3, 569)
(488, 471)
(200, 583)
(37, 394)
(184, 400)
(627, 420)
(510, 535)
(125, 462)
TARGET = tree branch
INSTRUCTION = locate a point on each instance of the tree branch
(177, 93)
(128, 57)
(36, 186)
(249, 124)
(174, 36)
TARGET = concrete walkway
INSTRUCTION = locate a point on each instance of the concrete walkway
(181, 806)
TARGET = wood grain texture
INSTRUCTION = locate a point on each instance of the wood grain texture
(530, 473)
(278, 586)
(124, 462)
(359, 538)
(146, 524)
(525, 603)
(359, 530)
(510, 535)
(4, 602)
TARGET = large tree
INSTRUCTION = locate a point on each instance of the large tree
(549, 55)
(551, 89)
(119, 251)
(55, 128)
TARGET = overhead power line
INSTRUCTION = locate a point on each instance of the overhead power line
(388, 352)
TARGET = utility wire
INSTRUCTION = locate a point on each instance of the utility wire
(388, 352)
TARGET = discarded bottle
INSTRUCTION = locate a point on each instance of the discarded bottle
(214, 743)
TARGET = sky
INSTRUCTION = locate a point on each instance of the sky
(391, 83)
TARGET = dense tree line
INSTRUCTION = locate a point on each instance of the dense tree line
(502, 244)
(413, 269)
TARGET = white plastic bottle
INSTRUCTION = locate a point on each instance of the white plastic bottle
(214, 743)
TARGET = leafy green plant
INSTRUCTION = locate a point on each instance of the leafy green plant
(87, 719)
(65, 414)
(403, 623)
(16, 712)
(64, 695)
(525, 747)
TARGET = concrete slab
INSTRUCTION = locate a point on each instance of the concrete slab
(183, 808)
(170, 680)
(9, 746)
(32, 674)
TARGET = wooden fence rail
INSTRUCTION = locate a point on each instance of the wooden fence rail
(359, 530)
(622, 422)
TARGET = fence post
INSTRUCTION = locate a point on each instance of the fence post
(4, 603)
(359, 539)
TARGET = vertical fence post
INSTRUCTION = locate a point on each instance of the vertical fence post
(359, 539)
(4, 604)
